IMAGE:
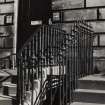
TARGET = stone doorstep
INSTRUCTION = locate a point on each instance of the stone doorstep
(5, 100)
(90, 91)
(94, 77)
(4, 97)
(83, 103)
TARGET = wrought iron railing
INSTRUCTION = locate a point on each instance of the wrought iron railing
(51, 62)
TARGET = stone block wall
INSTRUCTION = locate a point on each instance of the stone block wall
(6, 28)
(6, 25)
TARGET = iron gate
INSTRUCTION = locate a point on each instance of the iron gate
(50, 63)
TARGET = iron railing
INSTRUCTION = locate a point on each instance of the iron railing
(50, 63)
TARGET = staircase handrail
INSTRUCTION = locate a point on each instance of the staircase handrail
(45, 88)
(40, 93)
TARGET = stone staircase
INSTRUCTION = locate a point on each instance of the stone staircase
(8, 87)
(91, 90)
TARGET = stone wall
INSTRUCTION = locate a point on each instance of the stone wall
(6, 28)
(6, 25)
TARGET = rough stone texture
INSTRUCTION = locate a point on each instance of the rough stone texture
(9, 0)
(95, 43)
(1, 19)
(2, 1)
(99, 53)
(102, 40)
(7, 30)
(98, 26)
(6, 42)
(59, 4)
(91, 3)
(7, 8)
(102, 11)
(75, 14)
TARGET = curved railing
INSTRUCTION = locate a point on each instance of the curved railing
(51, 52)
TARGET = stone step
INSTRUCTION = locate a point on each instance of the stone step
(90, 96)
(84, 103)
(8, 75)
(9, 89)
(5, 100)
(96, 81)
(8, 72)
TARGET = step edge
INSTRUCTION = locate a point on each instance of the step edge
(77, 103)
(90, 91)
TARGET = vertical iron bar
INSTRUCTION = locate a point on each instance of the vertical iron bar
(51, 61)
(63, 67)
(71, 65)
(25, 70)
(19, 81)
(74, 46)
(22, 79)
